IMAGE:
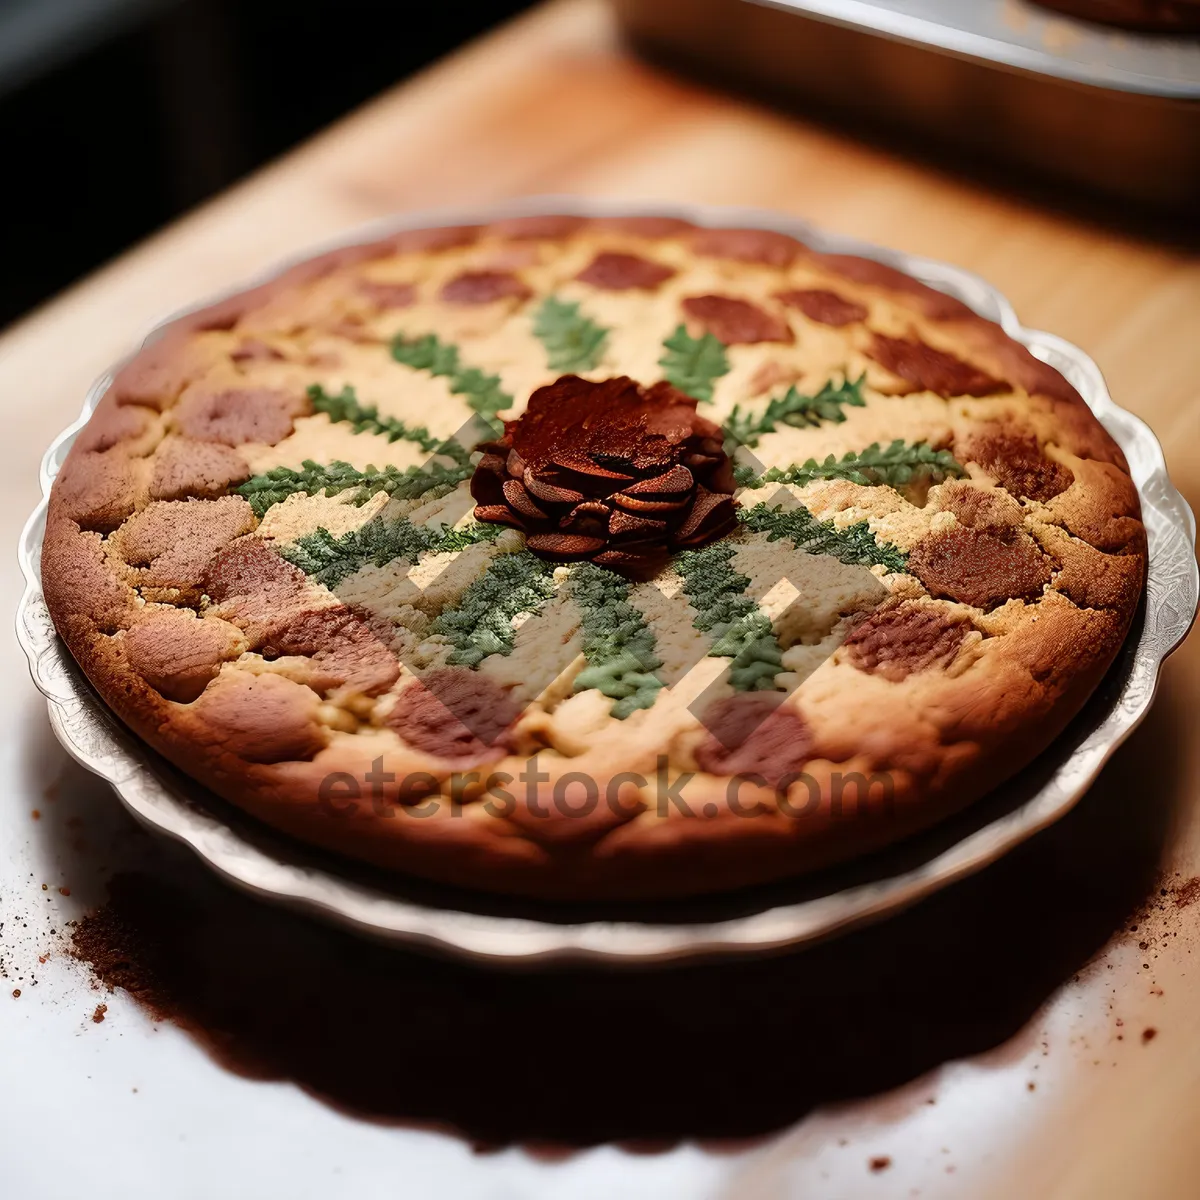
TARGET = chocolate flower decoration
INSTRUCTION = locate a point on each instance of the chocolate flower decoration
(611, 472)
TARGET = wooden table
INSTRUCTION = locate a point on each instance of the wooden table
(1013, 1036)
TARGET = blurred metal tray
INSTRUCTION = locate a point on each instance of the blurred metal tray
(1112, 111)
(506, 931)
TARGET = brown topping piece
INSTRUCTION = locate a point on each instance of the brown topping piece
(564, 547)
(261, 718)
(646, 227)
(234, 416)
(737, 322)
(536, 227)
(597, 470)
(899, 640)
(218, 318)
(1091, 578)
(937, 306)
(1096, 580)
(178, 653)
(826, 308)
(1103, 510)
(484, 287)
(80, 584)
(980, 568)
(990, 509)
(343, 650)
(255, 588)
(454, 714)
(172, 541)
(514, 256)
(185, 468)
(748, 245)
(161, 371)
(326, 264)
(385, 294)
(930, 370)
(247, 567)
(425, 241)
(256, 350)
(352, 328)
(112, 424)
(624, 272)
(752, 734)
(772, 375)
(100, 491)
(1015, 461)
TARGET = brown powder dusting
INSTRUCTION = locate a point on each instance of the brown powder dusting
(98, 1015)
(1155, 917)
(1186, 894)
(880, 1163)
(116, 949)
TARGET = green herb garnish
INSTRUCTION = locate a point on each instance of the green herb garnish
(795, 409)
(481, 624)
(275, 486)
(573, 342)
(895, 465)
(481, 391)
(855, 545)
(740, 630)
(330, 559)
(693, 365)
(617, 642)
(365, 418)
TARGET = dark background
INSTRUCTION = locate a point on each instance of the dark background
(116, 115)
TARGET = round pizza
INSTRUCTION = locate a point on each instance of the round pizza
(611, 558)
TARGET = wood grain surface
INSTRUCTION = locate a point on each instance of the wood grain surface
(1014, 1036)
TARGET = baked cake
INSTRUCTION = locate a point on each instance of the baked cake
(594, 558)
(1180, 16)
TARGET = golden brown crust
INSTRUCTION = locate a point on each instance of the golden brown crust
(296, 695)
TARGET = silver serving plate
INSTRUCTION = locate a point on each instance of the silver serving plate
(1114, 111)
(502, 930)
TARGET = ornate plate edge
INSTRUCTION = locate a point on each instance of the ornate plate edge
(93, 738)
